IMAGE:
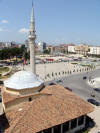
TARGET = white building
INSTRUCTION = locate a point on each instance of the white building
(8, 44)
(26, 43)
(94, 50)
(41, 46)
(71, 49)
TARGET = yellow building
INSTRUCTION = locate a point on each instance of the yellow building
(51, 49)
(82, 49)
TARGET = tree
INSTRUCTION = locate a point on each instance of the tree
(46, 51)
(26, 55)
(8, 53)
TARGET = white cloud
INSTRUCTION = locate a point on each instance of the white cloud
(4, 21)
(24, 30)
(4, 30)
(1, 29)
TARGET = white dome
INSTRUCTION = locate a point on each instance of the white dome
(23, 80)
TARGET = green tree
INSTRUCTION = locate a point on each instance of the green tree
(46, 51)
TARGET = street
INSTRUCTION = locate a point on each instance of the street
(79, 86)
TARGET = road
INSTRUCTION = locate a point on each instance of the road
(80, 86)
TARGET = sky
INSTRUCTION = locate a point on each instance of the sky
(56, 21)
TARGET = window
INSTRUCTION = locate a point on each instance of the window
(47, 130)
(73, 123)
(81, 120)
(57, 129)
(30, 99)
(65, 127)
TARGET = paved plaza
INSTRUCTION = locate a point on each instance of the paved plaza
(53, 71)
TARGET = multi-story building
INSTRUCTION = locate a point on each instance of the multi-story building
(71, 48)
(1, 45)
(51, 49)
(41, 47)
(8, 44)
(62, 48)
(82, 49)
(27, 44)
(14, 45)
(94, 50)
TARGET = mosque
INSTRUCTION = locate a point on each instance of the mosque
(32, 108)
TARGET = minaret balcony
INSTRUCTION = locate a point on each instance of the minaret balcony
(32, 36)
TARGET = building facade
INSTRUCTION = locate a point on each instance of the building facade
(94, 50)
(41, 47)
(82, 49)
(71, 49)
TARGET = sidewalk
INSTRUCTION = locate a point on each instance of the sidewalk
(96, 117)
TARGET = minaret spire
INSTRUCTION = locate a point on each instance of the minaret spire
(32, 38)
(32, 14)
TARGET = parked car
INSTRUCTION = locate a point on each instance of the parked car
(84, 77)
(93, 102)
(58, 81)
(97, 89)
(68, 88)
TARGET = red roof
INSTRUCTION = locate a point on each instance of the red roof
(56, 106)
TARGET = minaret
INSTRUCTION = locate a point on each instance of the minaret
(32, 38)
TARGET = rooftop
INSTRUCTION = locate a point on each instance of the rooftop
(46, 111)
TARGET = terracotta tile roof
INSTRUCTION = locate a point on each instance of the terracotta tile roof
(47, 111)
